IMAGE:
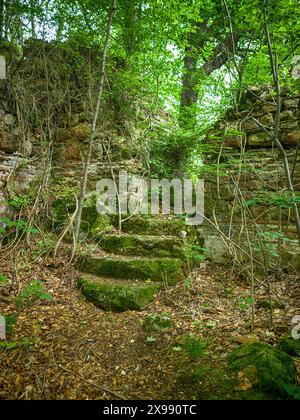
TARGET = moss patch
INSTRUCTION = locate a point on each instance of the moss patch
(156, 269)
(160, 246)
(147, 225)
(101, 224)
(208, 382)
(270, 368)
(117, 296)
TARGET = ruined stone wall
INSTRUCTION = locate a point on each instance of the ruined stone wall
(246, 186)
(46, 123)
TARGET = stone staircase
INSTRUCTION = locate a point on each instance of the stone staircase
(129, 269)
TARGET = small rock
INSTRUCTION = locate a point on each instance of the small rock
(74, 119)
(267, 108)
(291, 139)
(267, 119)
(259, 139)
(286, 115)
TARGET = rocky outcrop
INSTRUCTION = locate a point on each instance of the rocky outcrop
(264, 367)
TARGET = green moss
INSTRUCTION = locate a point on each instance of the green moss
(118, 296)
(273, 368)
(92, 222)
(156, 269)
(101, 224)
(150, 225)
(290, 346)
(208, 382)
(144, 245)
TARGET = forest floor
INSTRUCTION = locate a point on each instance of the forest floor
(67, 348)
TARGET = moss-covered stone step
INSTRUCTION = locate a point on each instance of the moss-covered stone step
(145, 245)
(265, 367)
(117, 295)
(150, 225)
(169, 270)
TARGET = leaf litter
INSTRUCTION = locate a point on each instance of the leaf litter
(67, 348)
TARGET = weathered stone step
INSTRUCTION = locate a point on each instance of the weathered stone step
(144, 245)
(169, 270)
(117, 295)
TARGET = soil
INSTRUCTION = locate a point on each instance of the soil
(67, 348)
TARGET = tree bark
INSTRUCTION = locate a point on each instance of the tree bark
(94, 124)
(189, 91)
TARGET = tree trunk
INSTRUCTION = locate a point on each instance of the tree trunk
(189, 93)
(32, 18)
(132, 12)
(192, 75)
(93, 128)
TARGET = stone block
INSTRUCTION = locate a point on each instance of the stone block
(81, 131)
(291, 103)
(291, 138)
(289, 125)
(8, 142)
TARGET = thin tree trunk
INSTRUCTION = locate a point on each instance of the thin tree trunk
(94, 124)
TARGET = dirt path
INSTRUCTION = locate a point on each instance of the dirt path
(69, 349)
